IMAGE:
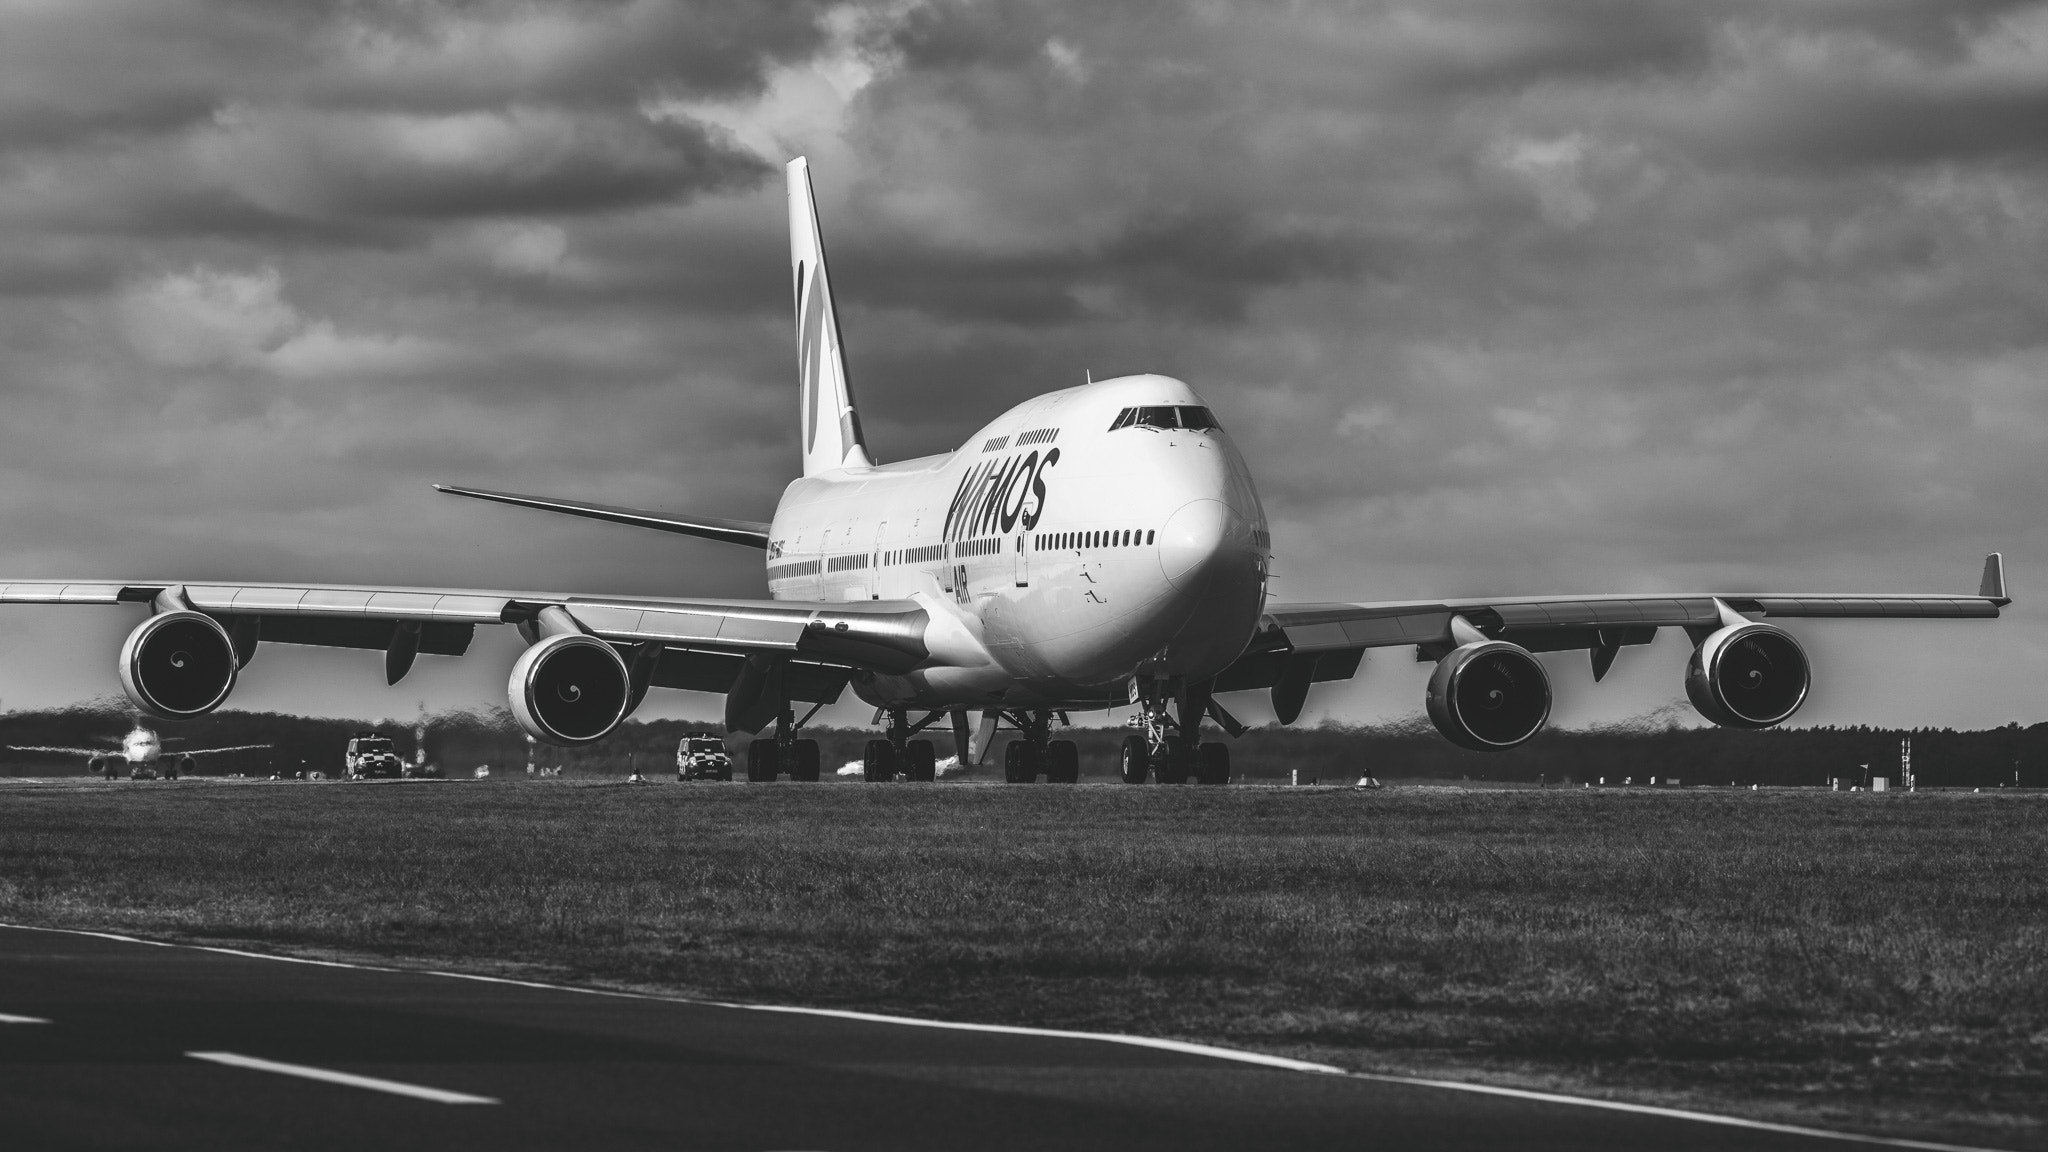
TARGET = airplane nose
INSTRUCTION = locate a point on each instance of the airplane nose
(1194, 537)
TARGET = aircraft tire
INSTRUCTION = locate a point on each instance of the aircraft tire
(1020, 763)
(1135, 760)
(878, 766)
(923, 762)
(1178, 765)
(1062, 762)
(804, 754)
(761, 756)
(1212, 763)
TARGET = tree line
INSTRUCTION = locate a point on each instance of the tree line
(459, 742)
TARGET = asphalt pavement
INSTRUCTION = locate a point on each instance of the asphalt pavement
(111, 1043)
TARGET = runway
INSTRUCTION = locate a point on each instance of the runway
(108, 1043)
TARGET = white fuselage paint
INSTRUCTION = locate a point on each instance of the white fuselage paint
(141, 746)
(1015, 547)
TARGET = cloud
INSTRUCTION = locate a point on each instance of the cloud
(207, 317)
(1538, 296)
(512, 161)
(1551, 169)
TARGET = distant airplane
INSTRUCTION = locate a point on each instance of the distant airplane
(139, 756)
(1092, 547)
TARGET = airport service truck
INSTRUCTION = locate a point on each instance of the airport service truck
(370, 755)
(702, 756)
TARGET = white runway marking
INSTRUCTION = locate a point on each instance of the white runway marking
(330, 1076)
(1258, 1058)
(1673, 1113)
(6, 1019)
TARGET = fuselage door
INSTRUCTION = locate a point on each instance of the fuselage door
(1023, 561)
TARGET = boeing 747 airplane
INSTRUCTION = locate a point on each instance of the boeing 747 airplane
(1096, 546)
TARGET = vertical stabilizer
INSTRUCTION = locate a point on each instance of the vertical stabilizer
(831, 427)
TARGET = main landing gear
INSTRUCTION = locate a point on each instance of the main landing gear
(769, 758)
(1037, 753)
(897, 753)
(1168, 748)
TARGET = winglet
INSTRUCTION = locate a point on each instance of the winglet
(1992, 587)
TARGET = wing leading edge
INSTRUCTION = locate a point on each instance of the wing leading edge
(1301, 644)
(702, 645)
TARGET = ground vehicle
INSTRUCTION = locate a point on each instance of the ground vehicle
(702, 756)
(369, 755)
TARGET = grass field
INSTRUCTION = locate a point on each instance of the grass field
(1879, 961)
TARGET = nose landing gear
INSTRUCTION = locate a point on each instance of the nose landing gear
(1170, 748)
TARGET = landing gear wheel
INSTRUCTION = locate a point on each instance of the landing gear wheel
(1062, 763)
(879, 765)
(921, 762)
(1178, 765)
(803, 765)
(761, 761)
(1020, 763)
(1135, 760)
(1212, 763)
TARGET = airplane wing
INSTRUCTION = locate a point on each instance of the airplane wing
(211, 751)
(749, 532)
(1301, 644)
(814, 648)
(64, 751)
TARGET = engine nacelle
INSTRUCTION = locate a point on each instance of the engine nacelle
(1489, 695)
(570, 688)
(178, 664)
(1748, 676)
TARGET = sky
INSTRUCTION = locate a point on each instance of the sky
(1540, 296)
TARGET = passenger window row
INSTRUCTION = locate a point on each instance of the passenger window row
(1045, 542)
(923, 555)
(995, 442)
(1118, 538)
(1037, 436)
(1192, 417)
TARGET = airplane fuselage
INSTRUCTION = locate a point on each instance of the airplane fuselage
(141, 746)
(1056, 555)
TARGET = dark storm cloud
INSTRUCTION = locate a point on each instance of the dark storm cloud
(1534, 296)
(1205, 266)
(478, 164)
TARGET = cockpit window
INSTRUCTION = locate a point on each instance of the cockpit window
(1193, 417)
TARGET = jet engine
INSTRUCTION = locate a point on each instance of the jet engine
(178, 664)
(1489, 694)
(570, 688)
(1747, 676)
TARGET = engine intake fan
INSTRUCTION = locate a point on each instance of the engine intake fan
(570, 687)
(1488, 695)
(178, 664)
(1748, 676)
